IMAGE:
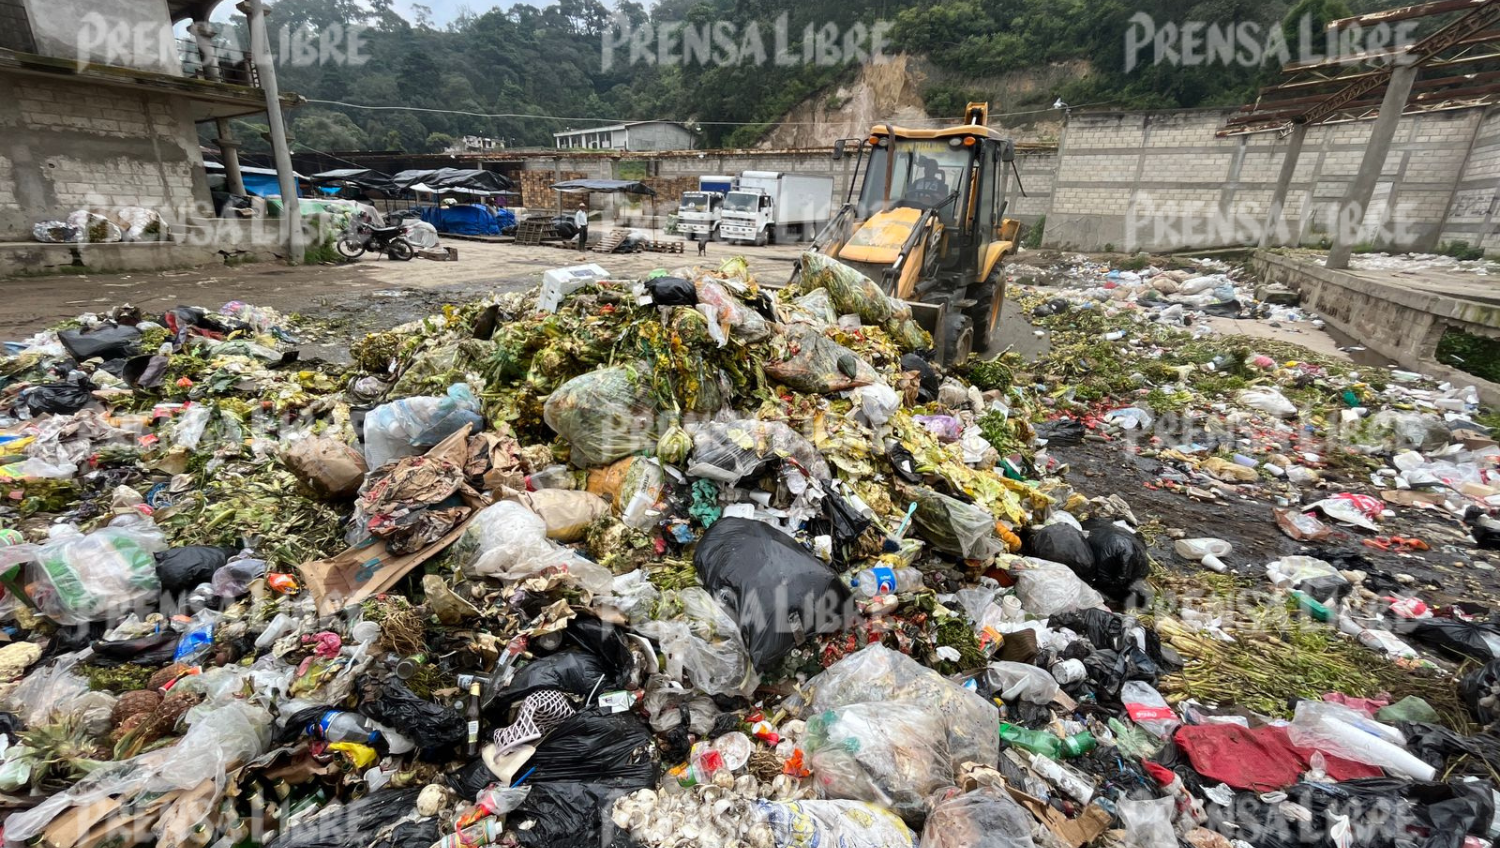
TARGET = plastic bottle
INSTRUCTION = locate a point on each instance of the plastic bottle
(885, 580)
(1147, 708)
(341, 726)
(1204, 550)
(1070, 782)
(1047, 744)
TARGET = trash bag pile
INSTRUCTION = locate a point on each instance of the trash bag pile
(676, 561)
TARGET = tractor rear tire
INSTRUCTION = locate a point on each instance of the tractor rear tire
(985, 315)
(959, 340)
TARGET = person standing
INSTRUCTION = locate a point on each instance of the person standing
(581, 220)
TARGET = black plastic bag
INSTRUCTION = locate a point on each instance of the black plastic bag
(617, 749)
(184, 568)
(778, 592)
(1459, 639)
(846, 523)
(576, 672)
(1120, 557)
(156, 649)
(108, 341)
(1062, 433)
(1434, 744)
(58, 398)
(1062, 543)
(1103, 629)
(603, 640)
(927, 378)
(1480, 690)
(359, 824)
(672, 291)
(427, 724)
(146, 371)
(568, 815)
(903, 464)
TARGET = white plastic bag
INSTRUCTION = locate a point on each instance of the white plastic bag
(47, 690)
(1268, 401)
(509, 542)
(1012, 680)
(1047, 588)
(1148, 824)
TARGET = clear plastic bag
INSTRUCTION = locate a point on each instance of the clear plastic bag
(816, 306)
(954, 527)
(728, 451)
(743, 322)
(851, 291)
(1012, 680)
(507, 541)
(79, 578)
(633, 595)
(701, 643)
(604, 415)
(188, 431)
(808, 361)
(895, 755)
(51, 689)
(1048, 588)
(217, 739)
(410, 426)
(844, 824)
(879, 675)
(876, 404)
(1148, 824)
(1268, 401)
(1348, 733)
(984, 818)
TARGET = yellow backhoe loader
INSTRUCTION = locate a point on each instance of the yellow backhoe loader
(929, 226)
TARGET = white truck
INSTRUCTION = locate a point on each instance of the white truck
(767, 205)
(698, 212)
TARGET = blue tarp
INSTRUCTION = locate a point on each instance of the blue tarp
(472, 220)
(264, 185)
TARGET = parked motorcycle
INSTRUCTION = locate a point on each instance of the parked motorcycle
(388, 240)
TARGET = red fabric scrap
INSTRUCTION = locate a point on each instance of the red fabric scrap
(1261, 759)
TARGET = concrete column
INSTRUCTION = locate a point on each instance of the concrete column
(229, 151)
(1283, 184)
(203, 33)
(1357, 199)
(291, 213)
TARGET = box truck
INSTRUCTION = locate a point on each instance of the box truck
(775, 206)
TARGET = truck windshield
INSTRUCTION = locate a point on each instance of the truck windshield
(694, 202)
(925, 174)
(739, 201)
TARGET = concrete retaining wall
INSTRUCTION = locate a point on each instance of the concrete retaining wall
(1471, 214)
(1398, 323)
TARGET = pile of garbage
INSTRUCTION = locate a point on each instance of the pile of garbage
(678, 561)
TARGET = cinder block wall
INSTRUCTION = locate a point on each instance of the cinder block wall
(1164, 181)
(1471, 214)
(123, 149)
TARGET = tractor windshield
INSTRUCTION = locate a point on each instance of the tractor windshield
(926, 174)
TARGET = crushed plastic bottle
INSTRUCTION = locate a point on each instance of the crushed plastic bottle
(885, 580)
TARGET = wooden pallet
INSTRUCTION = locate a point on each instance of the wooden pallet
(534, 231)
(663, 246)
(611, 241)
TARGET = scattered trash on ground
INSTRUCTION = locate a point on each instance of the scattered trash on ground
(696, 561)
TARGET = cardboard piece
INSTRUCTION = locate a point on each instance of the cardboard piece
(1413, 497)
(1074, 833)
(368, 569)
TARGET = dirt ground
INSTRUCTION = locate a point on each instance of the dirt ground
(364, 295)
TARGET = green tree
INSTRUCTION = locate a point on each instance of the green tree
(324, 130)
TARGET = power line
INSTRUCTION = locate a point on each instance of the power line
(608, 121)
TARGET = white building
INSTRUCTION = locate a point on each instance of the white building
(636, 135)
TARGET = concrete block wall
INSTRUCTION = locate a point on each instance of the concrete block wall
(66, 146)
(1038, 171)
(1164, 181)
(1471, 211)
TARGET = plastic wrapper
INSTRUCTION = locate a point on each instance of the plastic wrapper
(845, 824)
(741, 321)
(808, 361)
(817, 307)
(984, 818)
(780, 594)
(954, 527)
(410, 426)
(876, 403)
(892, 754)
(732, 450)
(604, 415)
(879, 675)
(945, 427)
(79, 578)
(701, 644)
(1047, 588)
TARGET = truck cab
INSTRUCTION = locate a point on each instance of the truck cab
(699, 212)
(749, 214)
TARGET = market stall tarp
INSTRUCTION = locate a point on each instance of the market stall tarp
(468, 220)
(363, 178)
(456, 178)
(622, 186)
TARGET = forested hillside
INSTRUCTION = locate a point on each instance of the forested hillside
(527, 72)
